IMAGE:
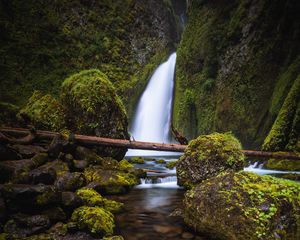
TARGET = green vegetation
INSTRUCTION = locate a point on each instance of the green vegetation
(227, 75)
(286, 128)
(96, 219)
(207, 156)
(244, 206)
(44, 111)
(283, 164)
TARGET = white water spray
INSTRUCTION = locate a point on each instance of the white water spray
(153, 115)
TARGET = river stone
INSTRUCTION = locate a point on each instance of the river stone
(28, 151)
(244, 205)
(207, 156)
(70, 181)
(94, 108)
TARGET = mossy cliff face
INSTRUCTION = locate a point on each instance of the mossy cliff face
(234, 206)
(236, 63)
(207, 156)
(43, 42)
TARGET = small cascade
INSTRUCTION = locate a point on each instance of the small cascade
(165, 182)
(153, 114)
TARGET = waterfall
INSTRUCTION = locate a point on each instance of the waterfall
(153, 114)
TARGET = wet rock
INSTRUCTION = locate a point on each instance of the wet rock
(167, 229)
(16, 170)
(55, 214)
(21, 197)
(244, 205)
(70, 200)
(110, 181)
(40, 159)
(83, 153)
(7, 153)
(80, 165)
(207, 156)
(187, 235)
(60, 143)
(59, 229)
(28, 151)
(70, 181)
(48, 172)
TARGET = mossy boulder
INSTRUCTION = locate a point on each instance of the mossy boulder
(93, 199)
(207, 156)
(95, 219)
(110, 181)
(282, 164)
(244, 206)
(44, 112)
(94, 108)
(171, 164)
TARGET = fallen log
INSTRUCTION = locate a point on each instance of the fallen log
(92, 140)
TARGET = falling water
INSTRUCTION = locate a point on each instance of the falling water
(153, 115)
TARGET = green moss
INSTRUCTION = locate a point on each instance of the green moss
(44, 112)
(171, 164)
(227, 75)
(283, 164)
(207, 156)
(113, 238)
(286, 122)
(47, 198)
(124, 165)
(160, 161)
(96, 219)
(245, 206)
(90, 197)
(137, 160)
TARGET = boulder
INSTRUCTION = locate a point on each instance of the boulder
(70, 200)
(83, 153)
(110, 181)
(16, 171)
(55, 214)
(94, 108)
(70, 181)
(48, 172)
(44, 112)
(27, 151)
(207, 156)
(244, 205)
(95, 219)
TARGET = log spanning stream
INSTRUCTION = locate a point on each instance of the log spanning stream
(92, 140)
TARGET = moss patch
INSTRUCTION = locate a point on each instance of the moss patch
(95, 219)
(283, 164)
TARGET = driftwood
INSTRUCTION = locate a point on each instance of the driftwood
(91, 140)
(28, 139)
(178, 136)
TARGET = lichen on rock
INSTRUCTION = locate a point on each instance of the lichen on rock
(94, 108)
(207, 156)
(244, 205)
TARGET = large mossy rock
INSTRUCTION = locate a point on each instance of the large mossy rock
(207, 156)
(44, 111)
(238, 206)
(282, 164)
(94, 108)
(95, 219)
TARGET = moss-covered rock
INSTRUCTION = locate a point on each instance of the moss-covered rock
(136, 160)
(282, 164)
(44, 112)
(83, 153)
(93, 199)
(94, 108)
(111, 181)
(207, 156)
(244, 206)
(113, 238)
(95, 219)
(171, 164)
(124, 165)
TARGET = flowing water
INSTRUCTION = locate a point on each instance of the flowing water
(152, 119)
